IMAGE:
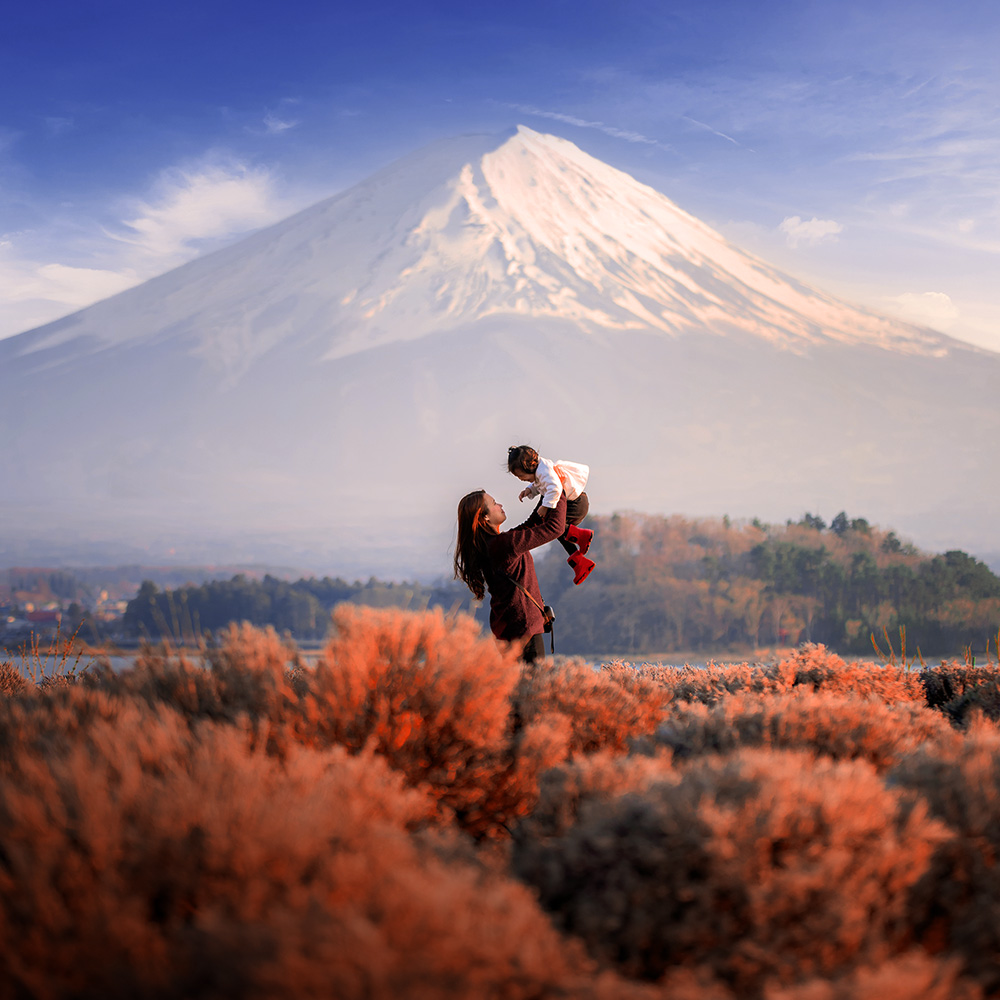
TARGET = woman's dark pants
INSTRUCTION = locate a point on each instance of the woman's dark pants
(534, 649)
(576, 511)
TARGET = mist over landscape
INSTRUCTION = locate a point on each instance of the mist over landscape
(280, 284)
(272, 402)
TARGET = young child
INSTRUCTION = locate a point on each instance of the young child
(549, 480)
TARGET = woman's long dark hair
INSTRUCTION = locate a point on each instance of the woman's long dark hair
(469, 554)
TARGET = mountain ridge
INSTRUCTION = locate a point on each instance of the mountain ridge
(497, 203)
(344, 375)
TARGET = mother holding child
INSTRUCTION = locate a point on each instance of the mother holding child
(501, 562)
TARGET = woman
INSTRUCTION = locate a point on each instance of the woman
(485, 558)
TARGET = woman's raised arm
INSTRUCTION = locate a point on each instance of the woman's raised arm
(536, 530)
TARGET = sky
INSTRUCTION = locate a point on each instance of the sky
(853, 143)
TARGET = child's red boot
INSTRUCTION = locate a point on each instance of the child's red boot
(581, 537)
(581, 566)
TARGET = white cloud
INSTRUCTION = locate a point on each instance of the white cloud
(33, 293)
(611, 130)
(933, 309)
(714, 131)
(273, 125)
(810, 232)
(193, 206)
(191, 210)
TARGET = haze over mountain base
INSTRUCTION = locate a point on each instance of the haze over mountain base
(322, 393)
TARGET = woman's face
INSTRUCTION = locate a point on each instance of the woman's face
(493, 511)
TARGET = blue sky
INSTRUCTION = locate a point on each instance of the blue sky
(854, 144)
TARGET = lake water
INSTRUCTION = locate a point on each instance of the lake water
(119, 663)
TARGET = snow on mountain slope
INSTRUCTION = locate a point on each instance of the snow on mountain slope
(323, 391)
(470, 228)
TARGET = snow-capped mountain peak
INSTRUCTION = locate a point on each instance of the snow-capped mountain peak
(337, 381)
(525, 226)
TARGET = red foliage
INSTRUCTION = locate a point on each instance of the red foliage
(761, 866)
(433, 699)
(712, 683)
(812, 666)
(605, 710)
(914, 975)
(586, 785)
(816, 666)
(148, 858)
(957, 904)
(845, 728)
(11, 679)
(234, 822)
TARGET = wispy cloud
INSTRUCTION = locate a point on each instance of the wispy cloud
(933, 309)
(714, 131)
(809, 231)
(189, 210)
(273, 125)
(617, 133)
(194, 205)
(34, 293)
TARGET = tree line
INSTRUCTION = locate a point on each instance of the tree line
(668, 584)
(664, 584)
(301, 608)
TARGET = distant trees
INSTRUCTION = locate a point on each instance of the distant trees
(664, 584)
(671, 584)
(301, 608)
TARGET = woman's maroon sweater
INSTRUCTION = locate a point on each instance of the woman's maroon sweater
(513, 615)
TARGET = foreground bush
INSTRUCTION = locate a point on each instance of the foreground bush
(433, 698)
(585, 786)
(234, 822)
(960, 690)
(912, 976)
(811, 667)
(11, 680)
(153, 859)
(957, 903)
(844, 728)
(605, 710)
(760, 867)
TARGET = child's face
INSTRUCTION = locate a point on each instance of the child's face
(525, 477)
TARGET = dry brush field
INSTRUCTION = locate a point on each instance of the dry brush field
(416, 816)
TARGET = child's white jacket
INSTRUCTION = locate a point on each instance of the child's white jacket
(551, 478)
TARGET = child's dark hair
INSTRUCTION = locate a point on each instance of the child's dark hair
(522, 458)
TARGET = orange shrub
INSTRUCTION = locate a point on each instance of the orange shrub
(150, 858)
(761, 866)
(246, 674)
(914, 975)
(605, 709)
(587, 784)
(11, 679)
(959, 690)
(409, 682)
(811, 665)
(844, 728)
(432, 697)
(173, 677)
(952, 678)
(713, 682)
(816, 666)
(957, 904)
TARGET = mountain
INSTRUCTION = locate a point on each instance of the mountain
(323, 391)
